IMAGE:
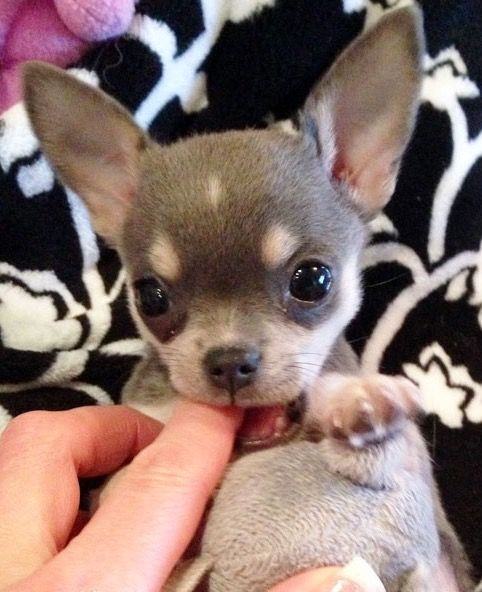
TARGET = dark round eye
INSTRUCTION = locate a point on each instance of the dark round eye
(311, 281)
(151, 297)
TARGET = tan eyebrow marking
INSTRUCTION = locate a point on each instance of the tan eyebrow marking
(277, 246)
(165, 259)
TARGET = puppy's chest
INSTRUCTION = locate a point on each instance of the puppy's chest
(281, 511)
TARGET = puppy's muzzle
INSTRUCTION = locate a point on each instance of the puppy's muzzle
(232, 368)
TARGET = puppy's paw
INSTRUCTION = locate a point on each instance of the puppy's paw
(361, 410)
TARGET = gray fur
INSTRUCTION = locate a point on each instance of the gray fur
(283, 510)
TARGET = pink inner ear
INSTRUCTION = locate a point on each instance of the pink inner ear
(366, 162)
(340, 170)
(122, 176)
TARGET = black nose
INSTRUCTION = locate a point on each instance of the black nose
(232, 368)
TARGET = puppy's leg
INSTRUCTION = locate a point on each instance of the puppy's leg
(365, 422)
(370, 438)
(426, 579)
(453, 553)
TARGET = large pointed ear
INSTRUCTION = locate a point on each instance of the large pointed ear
(91, 141)
(363, 111)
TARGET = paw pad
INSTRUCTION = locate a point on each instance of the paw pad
(363, 411)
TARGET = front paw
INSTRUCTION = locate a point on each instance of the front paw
(361, 410)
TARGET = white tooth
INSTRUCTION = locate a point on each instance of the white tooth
(280, 424)
(379, 430)
(357, 441)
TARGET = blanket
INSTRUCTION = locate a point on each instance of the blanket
(192, 66)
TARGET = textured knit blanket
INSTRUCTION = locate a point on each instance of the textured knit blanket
(191, 66)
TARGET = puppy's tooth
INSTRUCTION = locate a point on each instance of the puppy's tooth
(379, 430)
(280, 424)
(356, 441)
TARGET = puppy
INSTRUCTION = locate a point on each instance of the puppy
(242, 257)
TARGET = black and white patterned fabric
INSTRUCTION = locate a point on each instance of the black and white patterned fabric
(191, 66)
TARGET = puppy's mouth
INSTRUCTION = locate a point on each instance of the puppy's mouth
(267, 426)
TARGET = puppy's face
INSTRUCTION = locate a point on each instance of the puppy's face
(242, 248)
(242, 263)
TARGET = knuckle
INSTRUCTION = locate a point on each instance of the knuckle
(32, 425)
(32, 421)
(180, 479)
(153, 477)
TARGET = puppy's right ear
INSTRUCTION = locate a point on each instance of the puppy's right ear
(91, 141)
(362, 112)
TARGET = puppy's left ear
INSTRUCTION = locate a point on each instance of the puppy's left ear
(91, 141)
(363, 111)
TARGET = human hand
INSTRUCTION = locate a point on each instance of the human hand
(145, 523)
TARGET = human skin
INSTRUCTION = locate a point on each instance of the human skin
(145, 522)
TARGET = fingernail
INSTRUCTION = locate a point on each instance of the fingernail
(358, 576)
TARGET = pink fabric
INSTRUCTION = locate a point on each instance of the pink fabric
(54, 31)
(96, 20)
(38, 33)
(8, 11)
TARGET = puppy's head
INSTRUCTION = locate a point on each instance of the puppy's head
(242, 248)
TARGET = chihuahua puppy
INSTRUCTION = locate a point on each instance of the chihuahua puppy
(242, 256)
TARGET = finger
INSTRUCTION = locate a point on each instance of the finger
(146, 522)
(357, 576)
(41, 454)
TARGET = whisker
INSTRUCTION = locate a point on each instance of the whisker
(389, 280)
(357, 339)
(310, 364)
(307, 371)
(293, 354)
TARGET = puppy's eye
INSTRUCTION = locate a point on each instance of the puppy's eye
(151, 297)
(311, 281)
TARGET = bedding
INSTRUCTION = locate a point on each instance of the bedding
(192, 66)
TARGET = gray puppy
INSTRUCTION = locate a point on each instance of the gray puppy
(242, 255)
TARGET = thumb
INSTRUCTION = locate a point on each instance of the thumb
(357, 576)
